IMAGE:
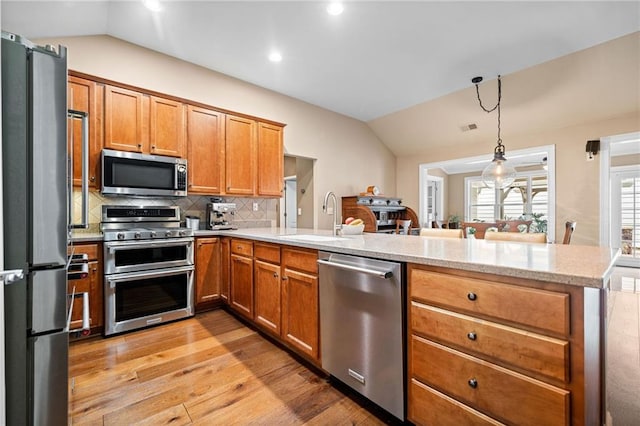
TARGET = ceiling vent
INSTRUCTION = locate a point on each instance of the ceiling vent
(468, 127)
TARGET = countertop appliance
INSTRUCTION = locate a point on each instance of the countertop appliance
(361, 326)
(148, 266)
(35, 196)
(132, 173)
(220, 215)
(379, 213)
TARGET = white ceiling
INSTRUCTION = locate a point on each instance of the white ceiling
(377, 58)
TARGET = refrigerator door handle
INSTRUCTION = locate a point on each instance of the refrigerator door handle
(11, 276)
(84, 118)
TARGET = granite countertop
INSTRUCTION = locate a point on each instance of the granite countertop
(584, 266)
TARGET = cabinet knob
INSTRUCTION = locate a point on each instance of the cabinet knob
(275, 275)
(473, 383)
(284, 278)
(471, 335)
(92, 178)
(139, 145)
(472, 296)
(153, 147)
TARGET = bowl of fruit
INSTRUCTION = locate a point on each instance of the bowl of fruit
(352, 226)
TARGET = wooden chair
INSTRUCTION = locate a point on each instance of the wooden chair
(403, 227)
(514, 225)
(569, 227)
(523, 237)
(480, 227)
(441, 233)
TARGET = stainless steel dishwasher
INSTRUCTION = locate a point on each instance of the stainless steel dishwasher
(361, 327)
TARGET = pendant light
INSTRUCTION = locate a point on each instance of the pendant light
(498, 174)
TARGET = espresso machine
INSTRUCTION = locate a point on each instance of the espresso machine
(220, 215)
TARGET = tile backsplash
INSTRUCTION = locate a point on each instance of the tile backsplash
(193, 205)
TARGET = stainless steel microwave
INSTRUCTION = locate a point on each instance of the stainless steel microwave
(132, 173)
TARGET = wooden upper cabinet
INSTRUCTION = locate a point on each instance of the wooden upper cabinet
(240, 156)
(205, 147)
(167, 129)
(270, 160)
(86, 96)
(125, 126)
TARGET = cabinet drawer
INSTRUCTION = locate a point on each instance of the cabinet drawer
(429, 407)
(526, 350)
(300, 259)
(90, 250)
(508, 396)
(267, 252)
(242, 247)
(541, 309)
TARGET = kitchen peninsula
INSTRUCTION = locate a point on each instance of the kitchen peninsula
(496, 331)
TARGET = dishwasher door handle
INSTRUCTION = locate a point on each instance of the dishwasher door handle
(380, 274)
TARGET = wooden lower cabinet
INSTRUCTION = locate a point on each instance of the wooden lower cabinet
(267, 287)
(241, 290)
(208, 273)
(479, 352)
(225, 268)
(92, 284)
(300, 303)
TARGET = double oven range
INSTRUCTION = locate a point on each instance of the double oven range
(148, 266)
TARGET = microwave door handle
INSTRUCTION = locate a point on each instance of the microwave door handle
(84, 118)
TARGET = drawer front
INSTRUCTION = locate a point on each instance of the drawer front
(541, 309)
(427, 406)
(527, 350)
(90, 250)
(493, 390)
(300, 259)
(267, 252)
(242, 247)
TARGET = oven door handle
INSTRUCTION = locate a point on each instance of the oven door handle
(126, 245)
(116, 278)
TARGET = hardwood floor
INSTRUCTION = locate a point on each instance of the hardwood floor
(206, 370)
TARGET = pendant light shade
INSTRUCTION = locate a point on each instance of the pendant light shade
(498, 174)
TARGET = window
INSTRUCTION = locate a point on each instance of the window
(528, 194)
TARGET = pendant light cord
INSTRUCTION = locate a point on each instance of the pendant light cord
(499, 148)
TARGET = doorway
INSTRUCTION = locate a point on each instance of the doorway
(433, 205)
(296, 206)
(620, 196)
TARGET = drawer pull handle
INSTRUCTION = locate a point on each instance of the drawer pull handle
(472, 296)
(472, 336)
(473, 383)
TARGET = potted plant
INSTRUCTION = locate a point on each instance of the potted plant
(453, 221)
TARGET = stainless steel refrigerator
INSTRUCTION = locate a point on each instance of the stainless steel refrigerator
(34, 155)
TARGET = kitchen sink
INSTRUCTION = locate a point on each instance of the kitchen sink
(311, 238)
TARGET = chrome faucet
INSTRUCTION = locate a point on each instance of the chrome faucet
(325, 208)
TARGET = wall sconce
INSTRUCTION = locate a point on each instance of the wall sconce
(593, 147)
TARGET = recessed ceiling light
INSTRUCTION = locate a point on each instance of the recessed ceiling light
(152, 5)
(275, 57)
(335, 8)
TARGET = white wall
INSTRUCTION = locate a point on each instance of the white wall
(349, 155)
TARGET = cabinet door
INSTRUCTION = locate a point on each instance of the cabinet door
(205, 147)
(166, 127)
(242, 285)
(300, 312)
(86, 96)
(125, 118)
(225, 278)
(208, 262)
(240, 156)
(267, 287)
(270, 160)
